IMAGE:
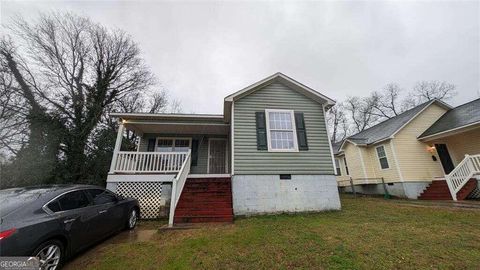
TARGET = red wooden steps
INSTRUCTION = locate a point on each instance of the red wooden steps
(205, 200)
(438, 190)
(467, 189)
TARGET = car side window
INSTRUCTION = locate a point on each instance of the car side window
(101, 196)
(54, 206)
(73, 200)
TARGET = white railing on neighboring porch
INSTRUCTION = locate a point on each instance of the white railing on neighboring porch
(177, 187)
(457, 178)
(148, 162)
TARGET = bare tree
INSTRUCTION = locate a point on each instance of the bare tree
(72, 71)
(158, 102)
(141, 102)
(428, 90)
(364, 112)
(338, 122)
(387, 103)
(360, 111)
(145, 101)
(13, 123)
(28, 108)
(175, 106)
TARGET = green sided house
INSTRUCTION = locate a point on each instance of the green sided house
(268, 153)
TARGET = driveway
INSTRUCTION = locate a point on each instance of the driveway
(145, 231)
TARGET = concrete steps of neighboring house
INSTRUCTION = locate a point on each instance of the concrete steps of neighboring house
(205, 200)
(438, 190)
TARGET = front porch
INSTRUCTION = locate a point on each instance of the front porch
(171, 150)
(459, 154)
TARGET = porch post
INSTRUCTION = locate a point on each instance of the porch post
(118, 144)
(171, 214)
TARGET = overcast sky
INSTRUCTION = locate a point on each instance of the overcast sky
(203, 51)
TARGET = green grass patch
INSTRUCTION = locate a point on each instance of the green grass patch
(369, 233)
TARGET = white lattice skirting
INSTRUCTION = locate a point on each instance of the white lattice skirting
(148, 194)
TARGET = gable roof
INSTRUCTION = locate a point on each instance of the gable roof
(277, 77)
(390, 127)
(462, 116)
(280, 78)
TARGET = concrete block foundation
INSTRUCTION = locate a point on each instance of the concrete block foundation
(410, 190)
(261, 194)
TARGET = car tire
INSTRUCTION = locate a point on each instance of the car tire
(132, 219)
(51, 253)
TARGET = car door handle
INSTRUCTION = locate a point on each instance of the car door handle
(102, 211)
(69, 220)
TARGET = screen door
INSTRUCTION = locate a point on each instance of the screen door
(217, 156)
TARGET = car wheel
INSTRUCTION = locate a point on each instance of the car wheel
(50, 255)
(132, 219)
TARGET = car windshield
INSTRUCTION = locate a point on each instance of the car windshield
(14, 198)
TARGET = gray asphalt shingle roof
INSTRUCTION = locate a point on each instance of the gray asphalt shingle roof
(336, 147)
(460, 116)
(388, 127)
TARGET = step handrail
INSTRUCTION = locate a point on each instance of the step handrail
(460, 175)
(177, 186)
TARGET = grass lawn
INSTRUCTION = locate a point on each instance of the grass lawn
(369, 233)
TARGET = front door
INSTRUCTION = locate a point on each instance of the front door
(217, 156)
(445, 158)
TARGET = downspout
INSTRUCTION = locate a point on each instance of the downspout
(329, 141)
(232, 139)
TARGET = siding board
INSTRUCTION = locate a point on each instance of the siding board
(249, 160)
(415, 161)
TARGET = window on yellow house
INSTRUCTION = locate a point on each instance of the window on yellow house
(346, 166)
(382, 157)
(337, 165)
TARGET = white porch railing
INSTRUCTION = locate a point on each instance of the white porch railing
(148, 162)
(457, 178)
(177, 187)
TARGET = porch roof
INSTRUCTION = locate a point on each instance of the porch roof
(458, 119)
(169, 116)
(174, 123)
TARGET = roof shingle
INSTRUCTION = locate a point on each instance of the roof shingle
(388, 127)
(463, 115)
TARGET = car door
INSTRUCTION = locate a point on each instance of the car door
(77, 217)
(111, 213)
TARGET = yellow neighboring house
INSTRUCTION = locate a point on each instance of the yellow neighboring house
(432, 141)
